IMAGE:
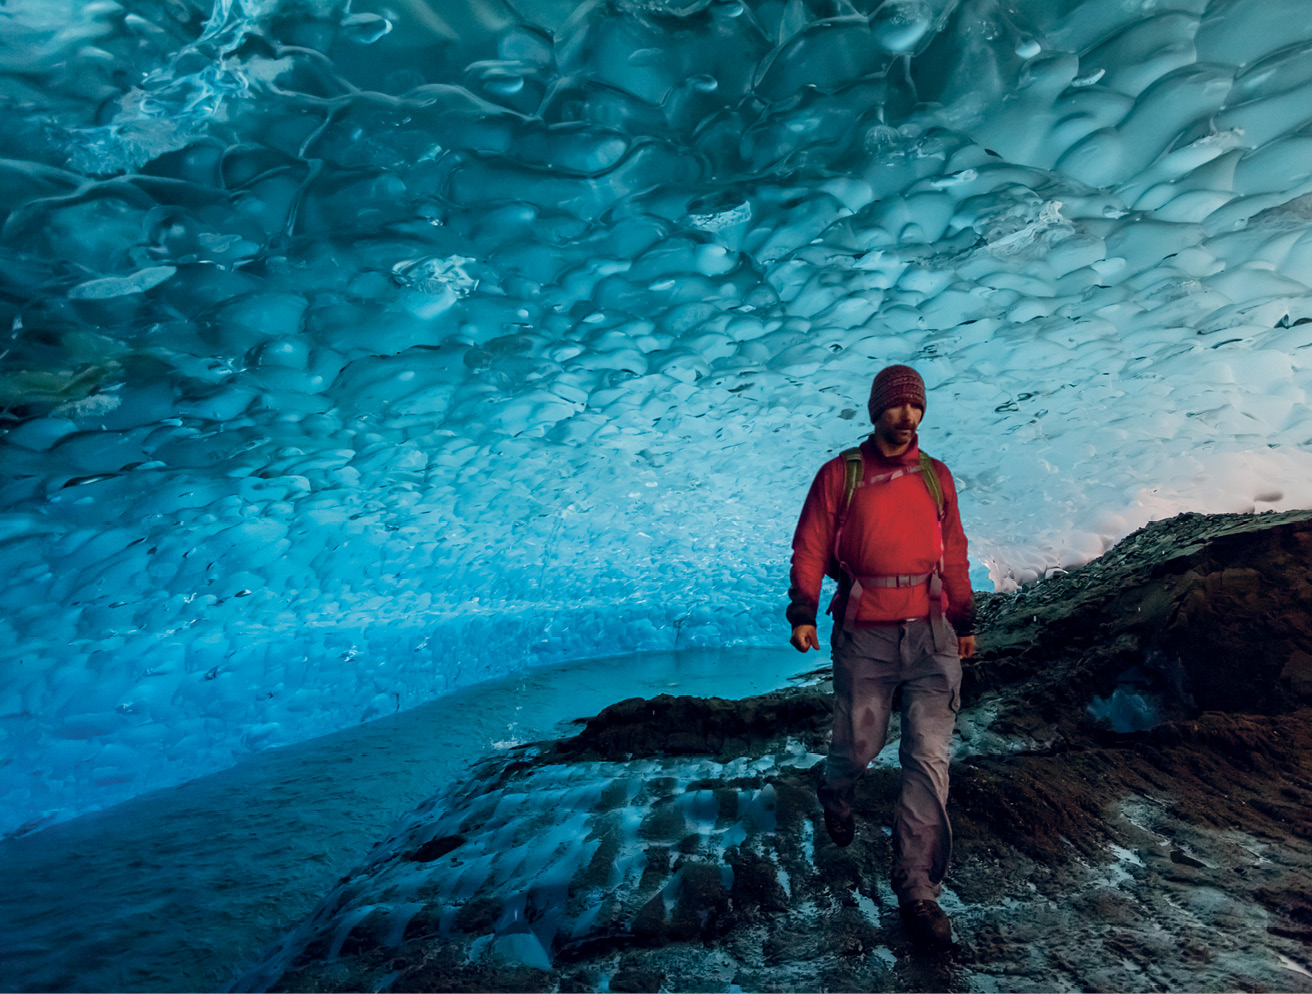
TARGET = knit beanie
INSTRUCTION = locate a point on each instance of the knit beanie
(894, 386)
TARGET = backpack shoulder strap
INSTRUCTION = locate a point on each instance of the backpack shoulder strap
(931, 482)
(853, 468)
(853, 464)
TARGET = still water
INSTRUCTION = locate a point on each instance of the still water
(179, 889)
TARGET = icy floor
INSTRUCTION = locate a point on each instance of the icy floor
(562, 852)
(1180, 907)
(686, 873)
(177, 890)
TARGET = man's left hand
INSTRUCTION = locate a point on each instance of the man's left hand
(966, 646)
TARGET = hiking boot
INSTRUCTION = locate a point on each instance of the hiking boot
(841, 827)
(927, 924)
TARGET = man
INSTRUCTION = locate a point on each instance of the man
(903, 619)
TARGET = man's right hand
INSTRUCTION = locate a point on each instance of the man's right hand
(804, 638)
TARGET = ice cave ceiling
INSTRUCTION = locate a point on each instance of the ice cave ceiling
(358, 350)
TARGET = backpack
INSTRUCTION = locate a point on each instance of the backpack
(853, 465)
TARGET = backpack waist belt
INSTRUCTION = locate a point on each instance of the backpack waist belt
(859, 583)
(900, 580)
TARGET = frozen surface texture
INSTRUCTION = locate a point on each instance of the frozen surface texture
(676, 843)
(359, 351)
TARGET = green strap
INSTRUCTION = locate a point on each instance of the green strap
(931, 483)
(853, 464)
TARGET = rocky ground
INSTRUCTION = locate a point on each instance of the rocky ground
(1132, 798)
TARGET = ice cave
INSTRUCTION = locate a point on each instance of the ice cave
(365, 356)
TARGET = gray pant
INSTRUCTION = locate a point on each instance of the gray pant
(869, 664)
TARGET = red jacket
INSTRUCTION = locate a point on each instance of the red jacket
(891, 528)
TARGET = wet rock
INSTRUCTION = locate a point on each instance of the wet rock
(696, 898)
(479, 915)
(1193, 603)
(670, 725)
(650, 921)
(755, 882)
(664, 823)
(1297, 672)
(657, 867)
(787, 945)
(435, 849)
(701, 900)
(600, 868)
(637, 977)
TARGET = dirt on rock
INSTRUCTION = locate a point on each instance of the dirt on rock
(710, 726)
(1131, 792)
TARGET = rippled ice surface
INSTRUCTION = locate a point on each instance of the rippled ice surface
(176, 890)
(351, 353)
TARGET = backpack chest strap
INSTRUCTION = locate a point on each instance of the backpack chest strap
(889, 476)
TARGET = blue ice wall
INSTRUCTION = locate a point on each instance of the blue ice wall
(357, 350)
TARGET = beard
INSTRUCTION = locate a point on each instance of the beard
(899, 433)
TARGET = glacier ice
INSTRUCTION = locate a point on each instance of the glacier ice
(359, 351)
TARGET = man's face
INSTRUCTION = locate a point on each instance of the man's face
(897, 425)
